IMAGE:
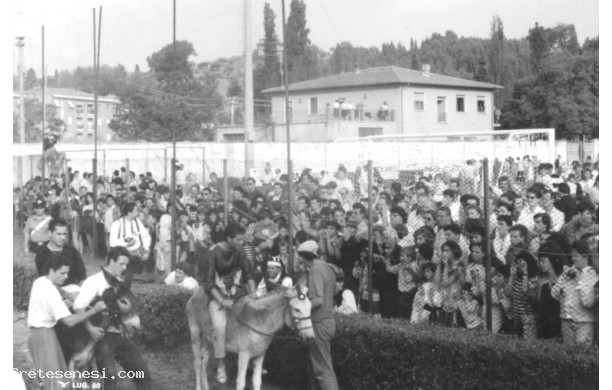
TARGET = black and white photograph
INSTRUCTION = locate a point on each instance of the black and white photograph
(305, 194)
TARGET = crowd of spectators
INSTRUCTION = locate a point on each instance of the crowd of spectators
(429, 234)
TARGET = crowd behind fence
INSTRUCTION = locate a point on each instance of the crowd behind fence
(509, 246)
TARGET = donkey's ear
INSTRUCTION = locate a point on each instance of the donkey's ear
(112, 281)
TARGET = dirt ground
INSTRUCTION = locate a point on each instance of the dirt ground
(171, 369)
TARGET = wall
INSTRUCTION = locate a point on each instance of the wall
(204, 158)
(427, 121)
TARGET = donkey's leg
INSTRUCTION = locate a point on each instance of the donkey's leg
(204, 367)
(257, 371)
(243, 364)
(197, 346)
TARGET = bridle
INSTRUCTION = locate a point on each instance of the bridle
(294, 320)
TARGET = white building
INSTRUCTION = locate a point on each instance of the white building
(76, 109)
(348, 105)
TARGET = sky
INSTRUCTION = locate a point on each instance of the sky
(134, 29)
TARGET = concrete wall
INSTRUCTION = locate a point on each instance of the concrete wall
(204, 158)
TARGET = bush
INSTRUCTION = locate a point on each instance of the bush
(392, 354)
(23, 278)
(162, 314)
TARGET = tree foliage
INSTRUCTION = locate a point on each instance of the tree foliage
(563, 95)
(301, 59)
(33, 121)
(168, 100)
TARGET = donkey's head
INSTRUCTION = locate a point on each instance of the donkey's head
(297, 312)
(120, 303)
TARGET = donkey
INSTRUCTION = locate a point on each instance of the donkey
(77, 342)
(251, 325)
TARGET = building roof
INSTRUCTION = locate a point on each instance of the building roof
(66, 93)
(381, 76)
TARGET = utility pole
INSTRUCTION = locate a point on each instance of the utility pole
(248, 91)
(20, 44)
(289, 163)
(173, 161)
(44, 84)
(97, 86)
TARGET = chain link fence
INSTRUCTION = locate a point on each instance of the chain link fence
(507, 245)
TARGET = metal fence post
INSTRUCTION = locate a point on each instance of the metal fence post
(290, 212)
(165, 165)
(370, 235)
(225, 194)
(127, 178)
(487, 211)
(203, 166)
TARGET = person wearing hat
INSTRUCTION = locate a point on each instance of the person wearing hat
(275, 273)
(321, 283)
(36, 231)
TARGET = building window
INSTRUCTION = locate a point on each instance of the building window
(90, 109)
(80, 124)
(312, 107)
(367, 131)
(90, 123)
(419, 101)
(480, 105)
(79, 108)
(441, 102)
(460, 103)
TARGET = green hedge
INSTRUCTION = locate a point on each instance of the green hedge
(23, 277)
(392, 354)
(162, 314)
(382, 354)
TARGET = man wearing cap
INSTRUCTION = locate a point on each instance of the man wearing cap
(321, 283)
(36, 231)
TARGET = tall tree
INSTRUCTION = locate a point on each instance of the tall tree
(271, 64)
(538, 46)
(30, 79)
(299, 58)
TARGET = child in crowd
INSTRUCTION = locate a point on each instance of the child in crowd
(360, 272)
(427, 298)
(407, 271)
(450, 277)
(470, 308)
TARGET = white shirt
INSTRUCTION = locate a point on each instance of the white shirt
(526, 216)
(188, 283)
(46, 304)
(557, 219)
(501, 246)
(109, 217)
(122, 229)
(91, 288)
(261, 287)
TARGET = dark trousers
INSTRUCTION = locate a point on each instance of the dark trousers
(404, 303)
(112, 349)
(322, 376)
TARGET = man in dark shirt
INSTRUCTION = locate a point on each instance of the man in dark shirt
(321, 290)
(226, 275)
(57, 247)
(565, 203)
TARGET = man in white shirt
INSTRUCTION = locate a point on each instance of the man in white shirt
(112, 346)
(557, 218)
(45, 310)
(531, 208)
(130, 233)
(111, 214)
(501, 240)
(182, 277)
(343, 181)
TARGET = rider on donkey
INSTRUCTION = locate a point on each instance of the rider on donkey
(227, 274)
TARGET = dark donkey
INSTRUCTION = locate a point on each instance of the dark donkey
(77, 344)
